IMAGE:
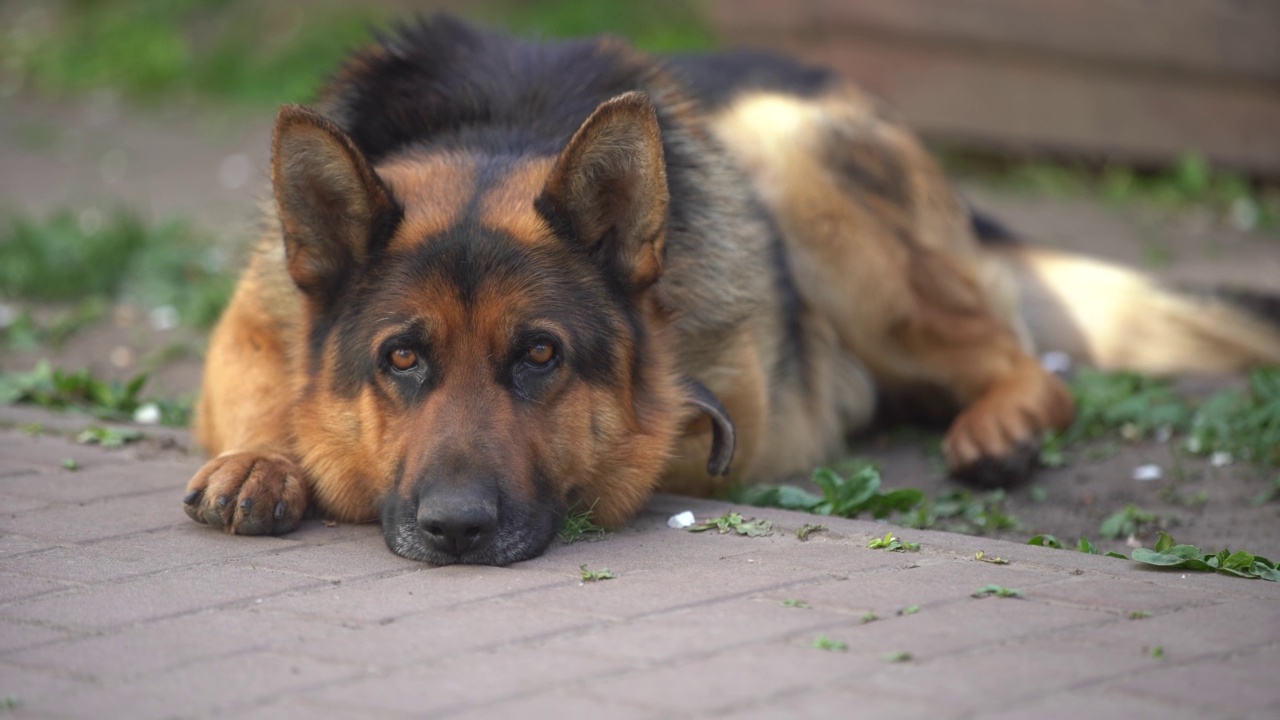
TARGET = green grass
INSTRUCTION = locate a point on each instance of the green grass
(596, 575)
(734, 523)
(962, 511)
(1245, 424)
(1084, 545)
(1128, 521)
(69, 256)
(822, 642)
(579, 524)
(846, 494)
(239, 51)
(265, 52)
(1191, 183)
(654, 25)
(109, 400)
(998, 591)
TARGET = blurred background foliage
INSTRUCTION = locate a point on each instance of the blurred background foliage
(266, 52)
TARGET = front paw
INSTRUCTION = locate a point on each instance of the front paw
(995, 443)
(248, 494)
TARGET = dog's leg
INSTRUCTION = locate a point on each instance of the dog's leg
(884, 250)
(252, 485)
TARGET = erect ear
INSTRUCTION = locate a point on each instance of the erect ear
(331, 204)
(610, 187)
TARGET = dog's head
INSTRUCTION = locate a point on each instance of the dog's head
(485, 346)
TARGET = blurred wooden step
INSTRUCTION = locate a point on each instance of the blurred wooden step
(1138, 80)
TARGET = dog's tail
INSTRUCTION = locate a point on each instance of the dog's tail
(1116, 318)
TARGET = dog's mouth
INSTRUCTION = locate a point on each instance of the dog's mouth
(513, 535)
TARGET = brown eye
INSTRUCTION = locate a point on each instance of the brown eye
(403, 359)
(540, 354)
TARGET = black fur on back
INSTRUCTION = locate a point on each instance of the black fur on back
(442, 82)
(715, 79)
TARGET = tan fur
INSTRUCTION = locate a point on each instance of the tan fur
(899, 280)
(1125, 320)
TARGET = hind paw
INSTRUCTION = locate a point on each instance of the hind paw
(248, 494)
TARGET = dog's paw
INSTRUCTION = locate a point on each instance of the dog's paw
(996, 442)
(248, 494)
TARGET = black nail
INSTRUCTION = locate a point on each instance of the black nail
(222, 501)
(246, 504)
(192, 497)
(279, 513)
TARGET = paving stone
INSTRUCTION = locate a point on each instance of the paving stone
(16, 587)
(317, 532)
(103, 519)
(218, 686)
(927, 581)
(1094, 705)
(1231, 625)
(433, 635)
(113, 602)
(1239, 684)
(453, 682)
(24, 454)
(12, 545)
(13, 505)
(561, 705)
(143, 553)
(697, 630)
(96, 482)
(303, 707)
(32, 687)
(1008, 673)
(634, 593)
(153, 597)
(836, 702)
(721, 681)
(418, 590)
(969, 624)
(1123, 596)
(166, 644)
(345, 560)
(21, 636)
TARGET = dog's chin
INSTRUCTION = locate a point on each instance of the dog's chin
(513, 542)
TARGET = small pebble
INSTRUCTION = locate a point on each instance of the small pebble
(147, 414)
(1148, 472)
(1056, 361)
(680, 521)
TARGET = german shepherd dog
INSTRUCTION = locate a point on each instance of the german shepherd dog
(505, 278)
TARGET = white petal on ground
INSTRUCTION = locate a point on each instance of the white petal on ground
(1148, 472)
(680, 521)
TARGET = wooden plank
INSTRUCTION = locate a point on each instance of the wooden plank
(1218, 37)
(982, 100)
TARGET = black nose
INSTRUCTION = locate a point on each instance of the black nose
(457, 523)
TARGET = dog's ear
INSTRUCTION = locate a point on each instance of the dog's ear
(609, 187)
(724, 436)
(331, 204)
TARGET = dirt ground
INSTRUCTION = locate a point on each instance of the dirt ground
(212, 170)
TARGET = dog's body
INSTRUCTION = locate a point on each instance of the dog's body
(508, 276)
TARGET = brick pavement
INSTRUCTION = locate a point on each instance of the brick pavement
(113, 604)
